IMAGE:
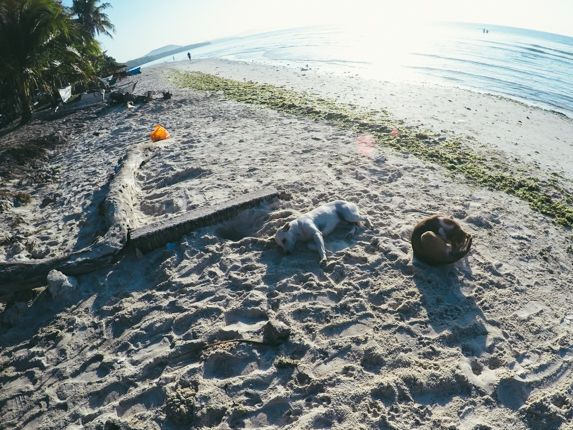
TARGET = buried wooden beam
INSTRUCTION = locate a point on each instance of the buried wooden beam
(22, 275)
(158, 234)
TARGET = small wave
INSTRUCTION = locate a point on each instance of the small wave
(567, 54)
(545, 98)
(527, 65)
(518, 70)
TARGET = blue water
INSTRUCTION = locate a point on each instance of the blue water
(530, 66)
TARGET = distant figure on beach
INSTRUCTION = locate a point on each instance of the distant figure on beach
(189, 56)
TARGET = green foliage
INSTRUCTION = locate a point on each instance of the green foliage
(30, 31)
(106, 65)
(43, 49)
(547, 196)
(91, 17)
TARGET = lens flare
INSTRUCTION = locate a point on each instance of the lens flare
(366, 145)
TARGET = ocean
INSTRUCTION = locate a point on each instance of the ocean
(530, 66)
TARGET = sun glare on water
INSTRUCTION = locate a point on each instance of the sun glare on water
(385, 51)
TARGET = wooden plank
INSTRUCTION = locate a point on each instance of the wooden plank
(160, 233)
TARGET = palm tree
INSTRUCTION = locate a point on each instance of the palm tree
(33, 34)
(92, 18)
(36, 42)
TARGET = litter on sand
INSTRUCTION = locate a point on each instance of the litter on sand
(159, 133)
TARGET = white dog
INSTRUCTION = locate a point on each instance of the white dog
(318, 223)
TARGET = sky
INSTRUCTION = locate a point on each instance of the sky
(144, 25)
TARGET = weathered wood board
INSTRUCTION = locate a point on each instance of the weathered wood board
(158, 234)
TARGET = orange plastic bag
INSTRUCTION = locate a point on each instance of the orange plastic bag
(159, 133)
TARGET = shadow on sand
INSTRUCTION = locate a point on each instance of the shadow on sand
(454, 316)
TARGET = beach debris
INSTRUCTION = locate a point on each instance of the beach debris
(134, 71)
(158, 234)
(180, 402)
(275, 333)
(18, 275)
(121, 97)
(21, 275)
(60, 285)
(159, 133)
(120, 75)
(126, 96)
(65, 93)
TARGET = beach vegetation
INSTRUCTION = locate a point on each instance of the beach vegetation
(544, 193)
(91, 17)
(45, 46)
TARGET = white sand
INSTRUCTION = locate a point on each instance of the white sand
(376, 340)
(532, 134)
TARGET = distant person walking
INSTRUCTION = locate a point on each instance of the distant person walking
(189, 56)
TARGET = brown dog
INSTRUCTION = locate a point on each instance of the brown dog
(440, 240)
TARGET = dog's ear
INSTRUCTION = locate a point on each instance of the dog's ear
(286, 227)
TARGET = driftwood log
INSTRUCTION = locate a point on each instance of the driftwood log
(20, 275)
(17, 276)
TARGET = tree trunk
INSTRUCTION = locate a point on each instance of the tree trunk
(25, 101)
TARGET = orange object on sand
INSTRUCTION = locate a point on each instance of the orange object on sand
(159, 133)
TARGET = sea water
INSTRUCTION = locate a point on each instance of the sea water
(531, 66)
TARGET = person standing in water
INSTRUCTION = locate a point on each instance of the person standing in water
(189, 56)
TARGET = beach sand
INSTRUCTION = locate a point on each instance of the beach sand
(223, 331)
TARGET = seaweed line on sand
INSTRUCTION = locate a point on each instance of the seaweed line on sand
(546, 195)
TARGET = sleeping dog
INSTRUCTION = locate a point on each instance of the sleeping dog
(318, 223)
(440, 240)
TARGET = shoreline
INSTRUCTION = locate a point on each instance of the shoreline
(440, 108)
(222, 330)
(544, 192)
